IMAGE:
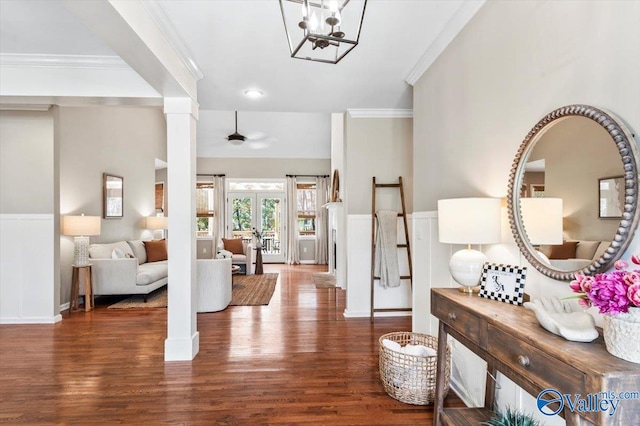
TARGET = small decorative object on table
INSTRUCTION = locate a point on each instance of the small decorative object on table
(503, 282)
(565, 319)
(616, 294)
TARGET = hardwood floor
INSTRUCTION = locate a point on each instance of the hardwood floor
(295, 361)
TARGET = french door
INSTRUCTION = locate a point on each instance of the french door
(263, 211)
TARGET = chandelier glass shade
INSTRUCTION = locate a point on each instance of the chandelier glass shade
(322, 30)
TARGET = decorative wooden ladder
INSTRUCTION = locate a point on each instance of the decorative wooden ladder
(374, 187)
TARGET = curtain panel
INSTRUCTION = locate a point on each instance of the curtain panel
(322, 224)
(293, 254)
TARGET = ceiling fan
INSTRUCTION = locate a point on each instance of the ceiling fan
(256, 141)
(236, 138)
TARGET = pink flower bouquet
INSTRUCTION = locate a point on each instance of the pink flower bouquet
(612, 292)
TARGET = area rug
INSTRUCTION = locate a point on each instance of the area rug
(157, 299)
(324, 280)
(253, 290)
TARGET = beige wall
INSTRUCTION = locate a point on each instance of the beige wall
(380, 147)
(123, 141)
(513, 63)
(26, 162)
(263, 168)
(578, 152)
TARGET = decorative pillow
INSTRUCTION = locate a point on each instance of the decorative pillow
(156, 250)
(139, 251)
(224, 254)
(565, 251)
(233, 245)
(117, 254)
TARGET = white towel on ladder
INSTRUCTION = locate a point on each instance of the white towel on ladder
(386, 254)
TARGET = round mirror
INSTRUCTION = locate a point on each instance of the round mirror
(573, 192)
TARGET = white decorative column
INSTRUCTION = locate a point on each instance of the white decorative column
(182, 343)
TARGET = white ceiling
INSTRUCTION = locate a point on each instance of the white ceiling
(241, 44)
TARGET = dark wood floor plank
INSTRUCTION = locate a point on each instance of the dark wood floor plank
(295, 361)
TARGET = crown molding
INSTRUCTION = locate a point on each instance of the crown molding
(380, 113)
(25, 107)
(451, 29)
(62, 61)
(173, 38)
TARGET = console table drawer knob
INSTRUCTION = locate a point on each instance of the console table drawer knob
(523, 360)
(452, 316)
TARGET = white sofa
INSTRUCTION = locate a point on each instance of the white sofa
(131, 274)
(586, 252)
(214, 284)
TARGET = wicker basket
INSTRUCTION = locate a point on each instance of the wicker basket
(411, 378)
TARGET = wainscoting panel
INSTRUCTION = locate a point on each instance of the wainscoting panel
(27, 284)
(359, 272)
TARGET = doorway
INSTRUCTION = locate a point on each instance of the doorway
(262, 209)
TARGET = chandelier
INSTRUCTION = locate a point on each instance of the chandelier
(322, 30)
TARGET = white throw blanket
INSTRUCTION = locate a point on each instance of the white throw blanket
(386, 255)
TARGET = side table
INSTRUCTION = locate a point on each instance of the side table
(89, 302)
(259, 270)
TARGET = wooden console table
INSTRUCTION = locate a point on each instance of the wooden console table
(511, 341)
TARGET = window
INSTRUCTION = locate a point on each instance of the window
(306, 209)
(204, 209)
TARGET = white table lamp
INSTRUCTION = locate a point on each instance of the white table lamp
(157, 223)
(468, 221)
(542, 221)
(81, 228)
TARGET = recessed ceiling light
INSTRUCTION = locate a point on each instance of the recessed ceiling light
(253, 93)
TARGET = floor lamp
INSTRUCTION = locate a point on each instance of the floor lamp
(468, 221)
(81, 228)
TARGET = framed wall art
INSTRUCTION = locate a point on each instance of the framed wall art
(112, 196)
(503, 282)
(611, 193)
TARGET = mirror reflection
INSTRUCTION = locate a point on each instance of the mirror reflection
(568, 161)
(587, 160)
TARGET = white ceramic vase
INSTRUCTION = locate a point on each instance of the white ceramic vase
(622, 335)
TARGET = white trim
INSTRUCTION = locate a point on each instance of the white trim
(308, 262)
(63, 61)
(182, 349)
(367, 314)
(380, 113)
(66, 306)
(451, 29)
(25, 107)
(173, 38)
(31, 320)
(425, 215)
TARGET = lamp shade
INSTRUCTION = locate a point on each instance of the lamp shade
(156, 222)
(469, 220)
(77, 226)
(542, 219)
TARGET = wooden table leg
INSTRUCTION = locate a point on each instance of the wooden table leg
(75, 289)
(440, 379)
(88, 291)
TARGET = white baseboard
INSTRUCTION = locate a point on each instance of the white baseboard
(182, 349)
(32, 320)
(367, 314)
(307, 262)
(65, 306)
